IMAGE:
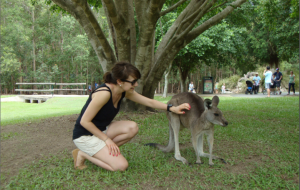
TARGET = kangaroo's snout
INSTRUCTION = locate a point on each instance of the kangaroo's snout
(225, 124)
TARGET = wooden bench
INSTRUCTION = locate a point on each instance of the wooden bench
(51, 87)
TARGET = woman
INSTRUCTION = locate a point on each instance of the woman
(95, 134)
(292, 83)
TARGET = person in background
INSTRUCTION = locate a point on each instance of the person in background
(96, 135)
(268, 75)
(191, 87)
(223, 88)
(256, 80)
(90, 88)
(273, 85)
(216, 88)
(292, 82)
(278, 79)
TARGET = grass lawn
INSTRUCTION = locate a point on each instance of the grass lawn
(19, 112)
(260, 145)
(7, 96)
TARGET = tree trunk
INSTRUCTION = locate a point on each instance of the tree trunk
(166, 81)
(33, 50)
(183, 77)
(112, 32)
(132, 32)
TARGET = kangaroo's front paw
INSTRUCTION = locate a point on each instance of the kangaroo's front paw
(211, 163)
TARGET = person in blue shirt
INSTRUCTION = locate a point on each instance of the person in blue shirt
(256, 80)
(268, 76)
(278, 79)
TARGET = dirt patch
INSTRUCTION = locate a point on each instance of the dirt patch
(35, 141)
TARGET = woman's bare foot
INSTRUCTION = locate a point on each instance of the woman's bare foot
(78, 159)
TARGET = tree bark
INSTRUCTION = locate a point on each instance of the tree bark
(166, 81)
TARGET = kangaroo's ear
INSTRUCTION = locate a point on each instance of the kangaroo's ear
(215, 101)
(207, 104)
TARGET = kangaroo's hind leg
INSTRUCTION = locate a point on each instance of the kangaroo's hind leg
(175, 124)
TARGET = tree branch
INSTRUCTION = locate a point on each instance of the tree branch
(99, 33)
(112, 12)
(172, 7)
(111, 29)
(192, 16)
(217, 6)
(166, 39)
(213, 21)
(179, 37)
(100, 44)
(139, 8)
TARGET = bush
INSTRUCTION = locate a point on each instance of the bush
(230, 82)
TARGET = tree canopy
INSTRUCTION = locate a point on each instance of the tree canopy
(76, 41)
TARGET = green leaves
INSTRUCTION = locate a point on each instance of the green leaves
(9, 62)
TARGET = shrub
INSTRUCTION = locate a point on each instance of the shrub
(230, 82)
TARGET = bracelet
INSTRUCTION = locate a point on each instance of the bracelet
(105, 139)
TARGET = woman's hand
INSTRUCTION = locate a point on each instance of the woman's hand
(179, 109)
(113, 149)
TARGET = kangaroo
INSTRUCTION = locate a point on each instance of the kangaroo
(200, 119)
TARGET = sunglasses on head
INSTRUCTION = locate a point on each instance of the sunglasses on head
(132, 82)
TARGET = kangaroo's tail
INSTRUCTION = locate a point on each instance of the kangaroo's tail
(170, 145)
(151, 144)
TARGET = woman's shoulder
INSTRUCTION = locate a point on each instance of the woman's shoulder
(103, 91)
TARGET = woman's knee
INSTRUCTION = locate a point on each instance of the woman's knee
(121, 166)
(133, 128)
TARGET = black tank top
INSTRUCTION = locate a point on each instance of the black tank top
(102, 119)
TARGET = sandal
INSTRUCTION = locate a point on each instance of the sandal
(75, 154)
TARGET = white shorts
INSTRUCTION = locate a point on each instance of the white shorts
(90, 144)
(267, 85)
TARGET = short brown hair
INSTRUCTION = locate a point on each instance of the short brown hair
(121, 70)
